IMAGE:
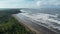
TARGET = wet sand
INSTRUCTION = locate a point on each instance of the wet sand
(33, 26)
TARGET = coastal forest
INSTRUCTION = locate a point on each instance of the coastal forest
(9, 25)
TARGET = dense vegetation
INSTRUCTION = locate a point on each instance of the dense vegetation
(8, 25)
(10, 11)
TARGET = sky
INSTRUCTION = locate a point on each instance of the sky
(29, 3)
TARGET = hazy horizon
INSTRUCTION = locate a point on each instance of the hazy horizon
(29, 3)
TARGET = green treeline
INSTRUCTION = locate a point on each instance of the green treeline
(8, 25)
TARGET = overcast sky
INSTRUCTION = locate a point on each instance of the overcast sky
(29, 3)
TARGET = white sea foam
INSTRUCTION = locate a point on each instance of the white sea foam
(44, 18)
